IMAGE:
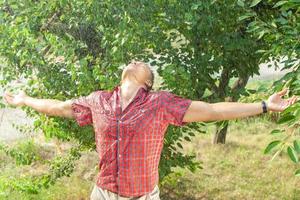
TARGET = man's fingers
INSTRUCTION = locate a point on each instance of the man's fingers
(8, 99)
(8, 94)
(282, 92)
(292, 100)
(295, 99)
(288, 101)
(5, 96)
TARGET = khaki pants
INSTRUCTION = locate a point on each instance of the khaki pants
(102, 194)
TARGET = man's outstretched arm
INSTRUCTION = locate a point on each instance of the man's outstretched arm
(202, 111)
(49, 107)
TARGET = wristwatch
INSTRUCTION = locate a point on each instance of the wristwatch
(264, 106)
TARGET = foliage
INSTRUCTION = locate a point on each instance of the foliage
(203, 47)
(277, 23)
(24, 153)
(173, 147)
(59, 167)
(67, 49)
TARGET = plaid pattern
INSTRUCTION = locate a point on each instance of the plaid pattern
(129, 143)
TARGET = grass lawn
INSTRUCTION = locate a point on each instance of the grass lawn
(236, 170)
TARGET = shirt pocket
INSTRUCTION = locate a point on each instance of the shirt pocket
(104, 117)
(105, 125)
(134, 115)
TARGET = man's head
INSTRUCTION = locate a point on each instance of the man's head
(140, 73)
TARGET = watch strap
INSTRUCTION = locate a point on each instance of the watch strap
(264, 107)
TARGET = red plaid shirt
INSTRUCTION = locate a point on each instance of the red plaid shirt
(129, 143)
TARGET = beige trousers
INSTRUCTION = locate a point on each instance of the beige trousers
(102, 194)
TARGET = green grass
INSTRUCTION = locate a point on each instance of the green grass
(236, 170)
(77, 186)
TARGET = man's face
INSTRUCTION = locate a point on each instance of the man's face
(138, 72)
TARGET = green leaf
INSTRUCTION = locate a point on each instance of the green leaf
(271, 146)
(255, 2)
(285, 118)
(289, 109)
(179, 144)
(279, 3)
(297, 172)
(196, 6)
(241, 3)
(191, 133)
(292, 154)
(251, 91)
(246, 16)
(297, 113)
(261, 34)
(275, 131)
(297, 146)
(261, 51)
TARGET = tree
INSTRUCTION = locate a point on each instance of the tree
(201, 47)
(70, 48)
(66, 49)
(277, 23)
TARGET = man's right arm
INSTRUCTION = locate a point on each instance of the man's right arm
(49, 107)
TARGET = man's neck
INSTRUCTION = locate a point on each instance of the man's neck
(129, 90)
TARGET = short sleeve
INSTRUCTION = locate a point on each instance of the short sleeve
(174, 108)
(82, 109)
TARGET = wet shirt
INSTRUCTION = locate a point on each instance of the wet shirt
(129, 142)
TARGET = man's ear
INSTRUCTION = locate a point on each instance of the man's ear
(148, 84)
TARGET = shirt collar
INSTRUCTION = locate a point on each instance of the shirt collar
(139, 93)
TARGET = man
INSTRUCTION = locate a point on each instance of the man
(130, 123)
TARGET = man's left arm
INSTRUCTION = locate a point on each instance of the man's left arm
(203, 111)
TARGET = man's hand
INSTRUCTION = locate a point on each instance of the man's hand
(49, 107)
(15, 100)
(277, 104)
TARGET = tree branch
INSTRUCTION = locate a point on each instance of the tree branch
(211, 84)
(239, 84)
(224, 81)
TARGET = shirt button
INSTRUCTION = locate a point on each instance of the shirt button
(120, 155)
(120, 139)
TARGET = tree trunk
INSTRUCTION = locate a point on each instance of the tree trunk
(220, 135)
